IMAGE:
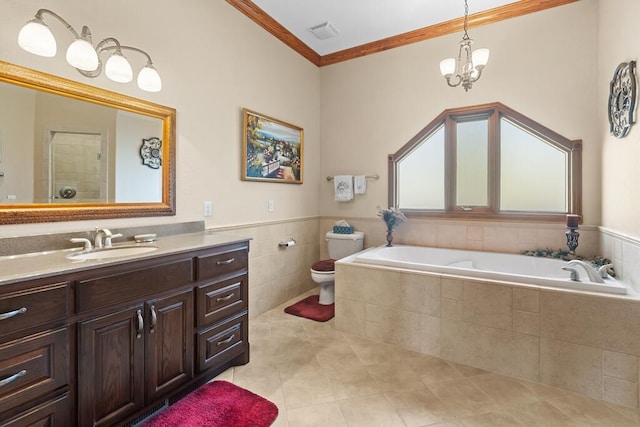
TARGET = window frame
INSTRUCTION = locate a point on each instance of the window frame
(494, 112)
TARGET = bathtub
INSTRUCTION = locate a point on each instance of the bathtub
(521, 269)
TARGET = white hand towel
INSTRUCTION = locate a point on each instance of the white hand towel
(343, 187)
(359, 184)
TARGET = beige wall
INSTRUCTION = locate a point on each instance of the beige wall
(214, 61)
(618, 42)
(540, 65)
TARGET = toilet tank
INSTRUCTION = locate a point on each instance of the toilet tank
(342, 245)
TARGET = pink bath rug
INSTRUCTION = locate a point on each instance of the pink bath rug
(217, 404)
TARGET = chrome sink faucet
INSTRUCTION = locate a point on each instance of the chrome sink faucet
(101, 235)
(102, 238)
(592, 273)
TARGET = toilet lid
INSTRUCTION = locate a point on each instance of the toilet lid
(324, 265)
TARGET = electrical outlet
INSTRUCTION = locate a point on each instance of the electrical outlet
(207, 208)
(271, 206)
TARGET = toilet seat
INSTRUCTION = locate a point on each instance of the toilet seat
(324, 266)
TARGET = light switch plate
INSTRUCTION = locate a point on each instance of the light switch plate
(207, 208)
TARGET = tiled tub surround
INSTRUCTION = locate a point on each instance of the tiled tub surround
(507, 237)
(584, 342)
(528, 270)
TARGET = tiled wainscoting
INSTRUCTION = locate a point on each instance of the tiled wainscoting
(624, 251)
(278, 274)
(587, 343)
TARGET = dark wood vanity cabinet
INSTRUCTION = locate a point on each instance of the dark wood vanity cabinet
(138, 355)
(35, 368)
(221, 308)
(141, 335)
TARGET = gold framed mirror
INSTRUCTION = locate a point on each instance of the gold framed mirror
(70, 151)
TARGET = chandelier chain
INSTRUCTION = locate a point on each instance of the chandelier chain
(466, 15)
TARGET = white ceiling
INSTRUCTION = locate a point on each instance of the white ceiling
(363, 21)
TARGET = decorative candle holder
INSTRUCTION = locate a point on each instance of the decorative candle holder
(572, 239)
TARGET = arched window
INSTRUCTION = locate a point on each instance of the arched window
(487, 161)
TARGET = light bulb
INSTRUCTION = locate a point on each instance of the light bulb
(81, 54)
(35, 37)
(118, 68)
(149, 79)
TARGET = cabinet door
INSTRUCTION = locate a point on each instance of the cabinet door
(111, 367)
(170, 338)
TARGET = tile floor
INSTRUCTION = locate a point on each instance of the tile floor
(319, 376)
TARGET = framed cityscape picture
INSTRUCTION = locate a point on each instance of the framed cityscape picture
(272, 150)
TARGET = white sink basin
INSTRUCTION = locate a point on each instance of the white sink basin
(114, 252)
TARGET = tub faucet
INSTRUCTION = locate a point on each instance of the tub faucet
(574, 273)
(592, 273)
(604, 270)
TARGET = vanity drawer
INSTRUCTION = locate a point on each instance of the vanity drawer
(55, 412)
(221, 263)
(215, 301)
(222, 342)
(133, 285)
(33, 366)
(33, 307)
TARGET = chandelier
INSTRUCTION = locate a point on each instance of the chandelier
(36, 37)
(468, 68)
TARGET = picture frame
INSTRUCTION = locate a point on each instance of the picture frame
(272, 150)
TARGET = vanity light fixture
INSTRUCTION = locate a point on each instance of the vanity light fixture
(468, 68)
(36, 37)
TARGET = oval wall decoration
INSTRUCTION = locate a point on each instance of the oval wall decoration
(622, 99)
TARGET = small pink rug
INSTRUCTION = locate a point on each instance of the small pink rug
(217, 404)
(310, 308)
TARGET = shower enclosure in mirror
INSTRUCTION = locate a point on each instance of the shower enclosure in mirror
(72, 151)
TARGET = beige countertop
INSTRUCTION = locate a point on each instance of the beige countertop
(15, 268)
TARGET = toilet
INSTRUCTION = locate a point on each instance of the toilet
(322, 272)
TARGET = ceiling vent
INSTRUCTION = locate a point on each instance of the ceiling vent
(324, 31)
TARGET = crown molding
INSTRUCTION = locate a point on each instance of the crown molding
(272, 26)
(513, 10)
